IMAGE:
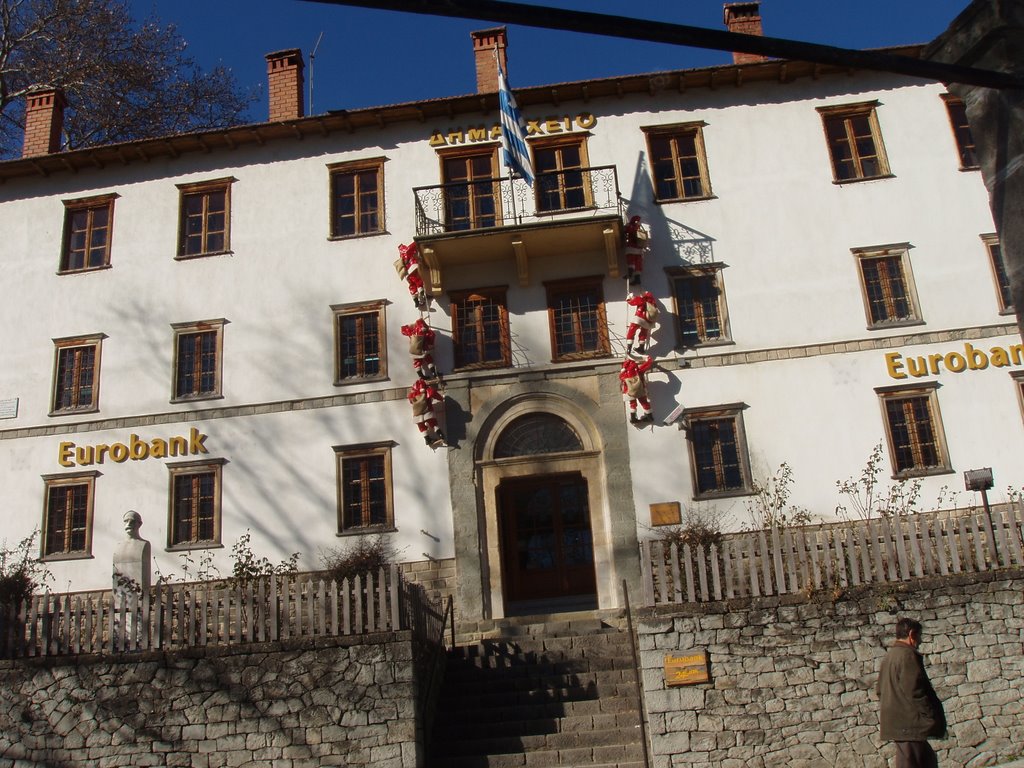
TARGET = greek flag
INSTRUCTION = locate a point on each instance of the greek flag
(515, 153)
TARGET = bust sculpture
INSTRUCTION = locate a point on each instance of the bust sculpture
(132, 556)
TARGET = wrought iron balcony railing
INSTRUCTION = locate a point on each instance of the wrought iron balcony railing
(463, 206)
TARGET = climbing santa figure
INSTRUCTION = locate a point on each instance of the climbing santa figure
(633, 377)
(421, 348)
(645, 317)
(638, 241)
(422, 397)
(408, 268)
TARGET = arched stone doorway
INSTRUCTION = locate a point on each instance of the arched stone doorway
(545, 514)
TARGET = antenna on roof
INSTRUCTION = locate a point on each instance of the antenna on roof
(312, 60)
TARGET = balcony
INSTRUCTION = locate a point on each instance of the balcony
(572, 212)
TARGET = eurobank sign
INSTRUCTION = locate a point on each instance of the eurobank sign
(970, 358)
(135, 449)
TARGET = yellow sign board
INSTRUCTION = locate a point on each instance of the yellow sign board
(688, 668)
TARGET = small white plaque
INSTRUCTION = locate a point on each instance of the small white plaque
(9, 408)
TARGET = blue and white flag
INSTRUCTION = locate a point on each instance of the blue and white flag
(516, 155)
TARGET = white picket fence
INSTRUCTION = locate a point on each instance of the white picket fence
(172, 616)
(830, 557)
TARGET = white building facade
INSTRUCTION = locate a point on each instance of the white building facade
(207, 328)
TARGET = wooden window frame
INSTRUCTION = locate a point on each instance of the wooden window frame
(195, 469)
(376, 309)
(845, 113)
(89, 205)
(673, 133)
(900, 253)
(204, 189)
(94, 342)
(67, 481)
(578, 285)
(354, 168)
(733, 412)
(497, 296)
(455, 153)
(379, 450)
(181, 330)
(578, 140)
(996, 263)
(929, 392)
(714, 272)
(963, 137)
(1018, 383)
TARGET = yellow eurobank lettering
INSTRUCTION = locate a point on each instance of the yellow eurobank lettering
(917, 367)
(548, 125)
(568, 123)
(551, 125)
(437, 139)
(495, 132)
(899, 365)
(976, 359)
(195, 442)
(585, 120)
(894, 366)
(532, 127)
(135, 448)
(139, 448)
(455, 137)
(955, 362)
(477, 134)
(64, 454)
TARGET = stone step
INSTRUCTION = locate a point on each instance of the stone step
(534, 710)
(452, 702)
(541, 675)
(536, 726)
(614, 756)
(541, 742)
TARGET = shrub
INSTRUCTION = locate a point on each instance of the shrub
(246, 566)
(364, 555)
(21, 573)
(701, 528)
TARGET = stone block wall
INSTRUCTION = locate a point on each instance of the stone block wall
(793, 679)
(338, 701)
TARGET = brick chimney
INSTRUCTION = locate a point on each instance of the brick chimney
(44, 121)
(745, 18)
(484, 43)
(285, 85)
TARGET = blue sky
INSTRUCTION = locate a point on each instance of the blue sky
(370, 58)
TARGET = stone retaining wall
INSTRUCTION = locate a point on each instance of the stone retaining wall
(793, 679)
(342, 701)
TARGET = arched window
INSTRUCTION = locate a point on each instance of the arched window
(537, 433)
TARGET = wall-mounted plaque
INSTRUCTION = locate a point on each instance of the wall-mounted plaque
(9, 408)
(687, 668)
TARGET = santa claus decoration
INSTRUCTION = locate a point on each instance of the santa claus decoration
(421, 348)
(422, 397)
(408, 267)
(633, 378)
(637, 244)
(642, 322)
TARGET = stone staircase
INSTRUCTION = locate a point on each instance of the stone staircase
(540, 691)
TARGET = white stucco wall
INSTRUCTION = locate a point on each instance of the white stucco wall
(779, 223)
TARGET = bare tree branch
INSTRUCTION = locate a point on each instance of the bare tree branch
(123, 80)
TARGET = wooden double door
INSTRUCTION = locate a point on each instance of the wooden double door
(547, 544)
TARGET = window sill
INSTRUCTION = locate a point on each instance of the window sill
(844, 182)
(908, 474)
(669, 200)
(370, 530)
(356, 380)
(190, 256)
(712, 495)
(59, 556)
(970, 168)
(895, 324)
(196, 398)
(723, 342)
(357, 236)
(194, 545)
(83, 270)
(582, 356)
(75, 411)
(490, 366)
(1007, 311)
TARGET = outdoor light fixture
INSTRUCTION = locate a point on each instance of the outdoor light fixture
(979, 479)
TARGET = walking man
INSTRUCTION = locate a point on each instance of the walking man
(910, 712)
